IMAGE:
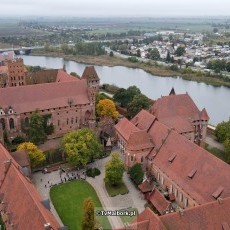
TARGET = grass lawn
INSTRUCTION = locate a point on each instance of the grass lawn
(68, 201)
(129, 219)
(116, 190)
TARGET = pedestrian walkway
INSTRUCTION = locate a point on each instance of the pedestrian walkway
(132, 199)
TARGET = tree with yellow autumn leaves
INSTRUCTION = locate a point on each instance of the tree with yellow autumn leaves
(107, 108)
(36, 156)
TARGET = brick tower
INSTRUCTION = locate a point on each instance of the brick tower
(16, 73)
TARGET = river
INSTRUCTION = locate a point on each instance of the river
(214, 99)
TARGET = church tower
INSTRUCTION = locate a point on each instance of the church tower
(16, 73)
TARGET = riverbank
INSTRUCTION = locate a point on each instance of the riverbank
(149, 67)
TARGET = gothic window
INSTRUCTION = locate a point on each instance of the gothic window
(131, 158)
(72, 120)
(142, 159)
(26, 122)
(67, 121)
(2, 121)
(58, 122)
(11, 121)
(76, 120)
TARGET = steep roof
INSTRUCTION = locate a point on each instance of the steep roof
(139, 140)
(124, 127)
(158, 132)
(196, 171)
(213, 216)
(180, 105)
(143, 120)
(62, 76)
(90, 73)
(158, 201)
(204, 115)
(21, 200)
(21, 157)
(44, 96)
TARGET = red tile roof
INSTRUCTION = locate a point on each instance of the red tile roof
(21, 157)
(90, 73)
(211, 216)
(211, 172)
(124, 127)
(204, 115)
(23, 202)
(145, 187)
(62, 76)
(158, 132)
(139, 140)
(158, 201)
(44, 96)
(143, 120)
(175, 108)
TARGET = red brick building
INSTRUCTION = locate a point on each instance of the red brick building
(69, 101)
(21, 206)
(180, 168)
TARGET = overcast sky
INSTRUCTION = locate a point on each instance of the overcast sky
(116, 8)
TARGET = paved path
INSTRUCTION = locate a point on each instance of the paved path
(213, 143)
(132, 199)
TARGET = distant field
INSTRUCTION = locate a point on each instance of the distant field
(13, 29)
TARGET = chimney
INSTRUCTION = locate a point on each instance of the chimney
(7, 165)
(47, 226)
(181, 211)
(220, 200)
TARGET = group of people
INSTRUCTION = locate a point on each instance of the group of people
(65, 177)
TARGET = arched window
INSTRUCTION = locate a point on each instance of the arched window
(72, 120)
(76, 120)
(11, 121)
(3, 123)
(142, 159)
(87, 115)
(67, 121)
(27, 122)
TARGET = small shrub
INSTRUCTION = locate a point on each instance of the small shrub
(92, 172)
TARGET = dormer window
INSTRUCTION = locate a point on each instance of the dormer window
(192, 173)
(218, 192)
(172, 158)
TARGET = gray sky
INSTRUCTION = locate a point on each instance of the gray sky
(133, 8)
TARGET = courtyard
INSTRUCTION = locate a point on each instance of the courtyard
(67, 197)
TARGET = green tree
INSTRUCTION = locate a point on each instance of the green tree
(136, 174)
(111, 54)
(121, 97)
(88, 214)
(168, 57)
(228, 66)
(81, 146)
(37, 133)
(138, 103)
(154, 54)
(114, 170)
(215, 30)
(36, 156)
(222, 131)
(138, 53)
(180, 51)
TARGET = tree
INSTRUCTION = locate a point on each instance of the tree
(154, 54)
(228, 66)
(107, 108)
(138, 53)
(36, 156)
(227, 148)
(88, 214)
(222, 131)
(138, 103)
(111, 54)
(81, 146)
(37, 133)
(121, 97)
(136, 174)
(180, 51)
(114, 170)
(168, 57)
